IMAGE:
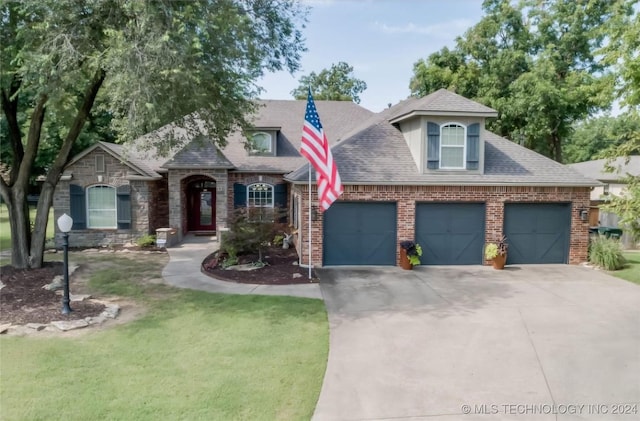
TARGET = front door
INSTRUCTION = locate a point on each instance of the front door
(201, 197)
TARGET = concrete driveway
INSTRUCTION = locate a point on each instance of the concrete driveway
(471, 343)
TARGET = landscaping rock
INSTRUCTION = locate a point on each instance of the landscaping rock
(89, 250)
(297, 275)
(4, 328)
(65, 325)
(111, 311)
(55, 284)
(295, 263)
(245, 267)
(79, 297)
(36, 326)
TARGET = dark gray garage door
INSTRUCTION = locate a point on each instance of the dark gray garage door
(357, 233)
(537, 232)
(450, 233)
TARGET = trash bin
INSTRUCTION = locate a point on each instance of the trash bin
(610, 232)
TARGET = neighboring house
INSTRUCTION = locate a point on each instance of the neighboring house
(424, 169)
(612, 184)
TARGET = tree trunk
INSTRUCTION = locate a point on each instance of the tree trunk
(20, 230)
(557, 147)
(27, 249)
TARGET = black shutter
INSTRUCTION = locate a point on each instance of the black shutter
(280, 195)
(123, 196)
(433, 146)
(473, 146)
(280, 201)
(239, 195)
(77, 207)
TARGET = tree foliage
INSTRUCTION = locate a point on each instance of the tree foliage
(139, 65)
(592, 138)
(622, 53)
(536, 62)
(337, 83)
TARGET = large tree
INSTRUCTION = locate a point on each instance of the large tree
(145, 64)
(337, 83)
(536, 62)
(623, 53)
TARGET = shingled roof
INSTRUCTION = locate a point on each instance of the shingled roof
(378, 154)
(142, 164)
(440, 102)
(596, 168)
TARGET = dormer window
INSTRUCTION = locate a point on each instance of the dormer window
(452, 146)
(262, 144)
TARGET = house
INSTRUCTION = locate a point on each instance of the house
(424, 169)
(613, 184)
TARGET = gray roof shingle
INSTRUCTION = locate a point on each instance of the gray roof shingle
(596, 168)
(199, 153)
(378, 154)
(441, 101)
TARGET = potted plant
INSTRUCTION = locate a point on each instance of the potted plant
(497, 253)
(410, 253)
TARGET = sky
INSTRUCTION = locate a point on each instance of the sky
(381, 39)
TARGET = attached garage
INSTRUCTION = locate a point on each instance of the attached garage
(537, 232)
(360, 233)
(450, 233)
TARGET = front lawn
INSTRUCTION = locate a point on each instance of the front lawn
(631, 271)
(192, 356)
(5, 229)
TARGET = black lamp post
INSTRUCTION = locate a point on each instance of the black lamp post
(65, 223)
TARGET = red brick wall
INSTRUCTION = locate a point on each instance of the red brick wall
(494, 198)
(246, 179)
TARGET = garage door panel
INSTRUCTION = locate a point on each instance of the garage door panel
(360, 233)
(450, 233)
(537, 232)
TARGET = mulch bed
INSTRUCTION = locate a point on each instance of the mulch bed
(23, 300)
(279, 268)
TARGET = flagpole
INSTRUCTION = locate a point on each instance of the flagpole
(310, 209)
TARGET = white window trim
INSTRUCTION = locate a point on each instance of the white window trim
(266, 151)
(115, 196)
(464, 146)
(250, 205)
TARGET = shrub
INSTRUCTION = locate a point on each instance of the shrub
(147, 240)
(606, 253)
(251, 230)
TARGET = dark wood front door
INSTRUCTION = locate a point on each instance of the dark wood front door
(201, 203)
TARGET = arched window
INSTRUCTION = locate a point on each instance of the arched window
(452, 146)
(101, 207)
(260, 195)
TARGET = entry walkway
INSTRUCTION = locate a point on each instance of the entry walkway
(185, 261)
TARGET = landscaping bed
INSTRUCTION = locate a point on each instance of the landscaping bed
(280, 268)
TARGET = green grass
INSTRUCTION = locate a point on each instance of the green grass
(192, 356)
(5, 229)
(631, 271)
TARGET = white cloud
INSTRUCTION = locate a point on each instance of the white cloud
(447, 29)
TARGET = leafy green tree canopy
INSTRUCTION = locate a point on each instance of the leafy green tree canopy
(336, 83)
(144, 64)
(536, 62)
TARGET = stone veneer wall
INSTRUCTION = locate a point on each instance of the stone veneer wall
(406, 197)
(159, 209)
(84, 175)
(177, 197)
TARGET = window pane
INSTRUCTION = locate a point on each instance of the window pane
(101, 205)
(453, 136)
(260, 195)
(452, 157)
(262, 142)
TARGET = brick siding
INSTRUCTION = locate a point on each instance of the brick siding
(406, 197)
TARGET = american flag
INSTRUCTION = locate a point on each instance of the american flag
(316, 149)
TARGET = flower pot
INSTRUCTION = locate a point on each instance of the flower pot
(404, 260)
(499, 261)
